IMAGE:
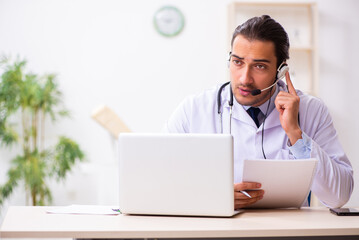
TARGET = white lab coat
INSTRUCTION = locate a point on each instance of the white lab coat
(333, 181)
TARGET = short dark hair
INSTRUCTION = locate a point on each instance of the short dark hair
(265, 28)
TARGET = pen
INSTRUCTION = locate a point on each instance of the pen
(116, 210)
(247, 194)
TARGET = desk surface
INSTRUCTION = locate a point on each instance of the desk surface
(34, 222)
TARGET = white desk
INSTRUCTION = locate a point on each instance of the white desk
(34, 222)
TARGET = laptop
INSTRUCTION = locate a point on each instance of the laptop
(176, 174)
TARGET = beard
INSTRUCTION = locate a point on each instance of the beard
(251, 100)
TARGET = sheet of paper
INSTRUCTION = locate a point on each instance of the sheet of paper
(85, 209)
(286, 182)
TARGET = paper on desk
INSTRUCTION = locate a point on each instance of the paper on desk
(85, 209)
(286, 183)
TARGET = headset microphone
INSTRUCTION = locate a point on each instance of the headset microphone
(259, 91)
(281, 71)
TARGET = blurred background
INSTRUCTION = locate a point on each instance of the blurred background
(108, 52)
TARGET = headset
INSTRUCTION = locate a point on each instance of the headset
(281, 71)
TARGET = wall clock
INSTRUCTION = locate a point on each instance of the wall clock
(169, 21)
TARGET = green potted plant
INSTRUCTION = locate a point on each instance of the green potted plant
(26, 101)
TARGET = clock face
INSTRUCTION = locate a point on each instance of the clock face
(169, 21)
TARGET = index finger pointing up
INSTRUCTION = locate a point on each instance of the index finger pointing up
(290, 86)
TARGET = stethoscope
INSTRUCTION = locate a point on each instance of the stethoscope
(230, 103)
(281, 71)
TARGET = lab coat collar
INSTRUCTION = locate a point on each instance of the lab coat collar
(239, 112)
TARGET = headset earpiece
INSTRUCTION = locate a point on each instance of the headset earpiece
(282, 70)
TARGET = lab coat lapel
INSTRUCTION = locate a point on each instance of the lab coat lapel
(239, 113)
(272, 120)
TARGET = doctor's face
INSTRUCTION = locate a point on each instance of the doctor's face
(252, 66)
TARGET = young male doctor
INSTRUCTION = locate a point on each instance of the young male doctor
(278, 122)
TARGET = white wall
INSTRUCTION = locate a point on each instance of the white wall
(338, 48)
(107, 52)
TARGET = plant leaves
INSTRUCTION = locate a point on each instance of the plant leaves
(67, 153)
(33, 98)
